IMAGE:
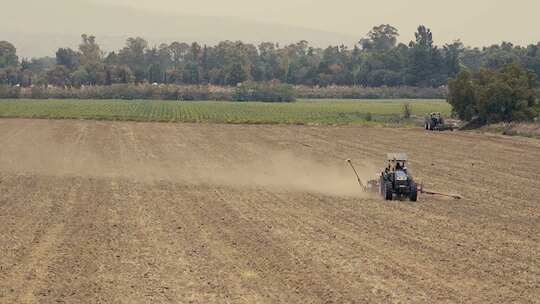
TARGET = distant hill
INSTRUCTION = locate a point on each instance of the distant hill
(38, 28)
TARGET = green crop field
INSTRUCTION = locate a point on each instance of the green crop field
(300, 112)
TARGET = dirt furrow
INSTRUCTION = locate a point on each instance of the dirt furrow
(119, 212)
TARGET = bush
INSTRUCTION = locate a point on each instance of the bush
(248, 91)
(369, 116)
(407, 110)
(490, 96)
(266, 92)
(38, 93)
(7, 91)
(121, 91)
(360, 92)
(195, 93)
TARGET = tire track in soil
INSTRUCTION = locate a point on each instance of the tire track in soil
(127, 238)
(298, 238)
(231, 275)
(272, 259)
(376, 261)
(28, 275)
(247, 208)
(35, 266)
(407, 238)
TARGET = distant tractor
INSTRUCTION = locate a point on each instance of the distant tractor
(396, 181)
(435, 122)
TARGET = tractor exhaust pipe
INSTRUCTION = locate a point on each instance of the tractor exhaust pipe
(357, 176)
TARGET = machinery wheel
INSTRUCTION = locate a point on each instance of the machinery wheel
(413, 195)
(388, 194)
(426, 125)
(429, 127)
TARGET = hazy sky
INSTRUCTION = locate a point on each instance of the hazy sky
(39, 27)
(476, 22)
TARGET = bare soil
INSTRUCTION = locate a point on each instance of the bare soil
(116, 212)
(531, 129)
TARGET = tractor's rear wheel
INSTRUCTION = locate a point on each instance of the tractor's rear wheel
(388, 193)
(413, 195)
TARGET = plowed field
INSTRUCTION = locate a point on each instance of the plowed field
(120, 212)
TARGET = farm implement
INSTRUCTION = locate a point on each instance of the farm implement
(435, 122)
(396, 182)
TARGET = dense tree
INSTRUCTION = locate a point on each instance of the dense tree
(451, 54)
(133, 55)
(531, 58)
(376, 61)
(426, 63)
(237, 74)
(506, 94)
(9, 76)
(381, 38)
(9, 64)
(90, 50)
(8, 55)
(68, 58)
(59, 76)
(462, 96)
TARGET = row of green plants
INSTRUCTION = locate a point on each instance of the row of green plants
(300, 112)
(247, 91)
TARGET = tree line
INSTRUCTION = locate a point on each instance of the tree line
(376, 60)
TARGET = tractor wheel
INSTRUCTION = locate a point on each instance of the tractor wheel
(413, 195)
(429, 127)
(426, 125)
(388, 193)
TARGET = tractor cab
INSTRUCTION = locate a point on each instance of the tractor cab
(396, 162)
(435, 115)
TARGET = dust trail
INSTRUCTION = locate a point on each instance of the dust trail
(277, 170)
(109, 150)
(290, 172)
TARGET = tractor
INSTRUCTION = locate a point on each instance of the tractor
(435, 122)
(396, 181)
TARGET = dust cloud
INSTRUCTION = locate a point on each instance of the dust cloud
(290, 172)
(135, 153)
(277, 170)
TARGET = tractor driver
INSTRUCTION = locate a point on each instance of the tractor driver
(395, 164)
(392, 165)
(399, 166)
